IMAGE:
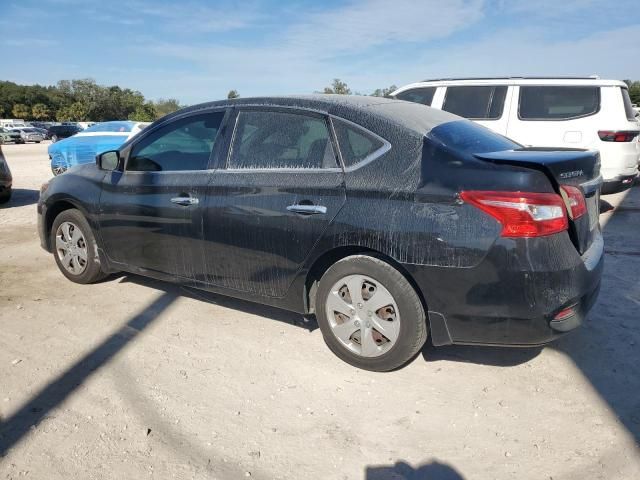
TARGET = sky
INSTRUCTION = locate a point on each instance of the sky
(197, 50)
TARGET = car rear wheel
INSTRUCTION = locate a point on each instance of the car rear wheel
(75, 248)
(369, 314)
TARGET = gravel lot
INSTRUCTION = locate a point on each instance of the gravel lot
(133, 378)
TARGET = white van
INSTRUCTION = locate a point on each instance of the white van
(547, 112)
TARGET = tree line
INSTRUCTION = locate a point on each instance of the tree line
(85, 100)
(80, 100)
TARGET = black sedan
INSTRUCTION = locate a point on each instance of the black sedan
(5, 180)
(389, 220)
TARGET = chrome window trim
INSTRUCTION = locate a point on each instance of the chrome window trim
(386, 146)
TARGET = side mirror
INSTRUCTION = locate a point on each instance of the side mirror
(108, 160)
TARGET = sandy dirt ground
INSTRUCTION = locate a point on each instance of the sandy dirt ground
(132, 378)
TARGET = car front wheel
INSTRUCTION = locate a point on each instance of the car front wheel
(74, 248)
(5, 196)
(369, 314)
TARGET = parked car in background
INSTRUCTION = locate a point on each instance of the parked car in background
(387, 219)
(43, 131)
(86, 144)
(12, 123)
(547, 112)
(9, 136)
(58, 132)
(29, 134)
(5, 180)
(85, 125)
(42, 125)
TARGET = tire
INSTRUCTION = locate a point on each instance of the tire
(5, 197)
(37, 142)
(384, 337)
(76, 268)
(54, 138)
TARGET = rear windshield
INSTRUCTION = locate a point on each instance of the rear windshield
(418, 95)
(110, 127)
(628, 106)
(476, 102)
(558, 102)
(468, 137)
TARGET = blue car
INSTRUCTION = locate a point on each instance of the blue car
(85, 145)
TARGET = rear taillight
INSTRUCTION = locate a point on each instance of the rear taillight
(575, 201)
(618, 135)
(522, 214)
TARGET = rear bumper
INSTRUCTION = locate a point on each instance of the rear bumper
(618, 184)
(512, 296)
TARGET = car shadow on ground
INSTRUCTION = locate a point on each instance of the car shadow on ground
(401, 470)
(21, 197)
(308, 322)
(493, 356)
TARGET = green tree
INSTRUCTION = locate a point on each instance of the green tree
(20, 110)
(634, 92)
(384, 92)
(165, 106)
(338, 87)
(144, 113)
(40, 111)
(76, 112)
(233, 94)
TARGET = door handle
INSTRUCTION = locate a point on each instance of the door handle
(307, 209)
(185, 201)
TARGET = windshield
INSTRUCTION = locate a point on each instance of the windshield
(468, 137)
(110, 127)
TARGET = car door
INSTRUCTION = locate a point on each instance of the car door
(151, 212)
(280, 188)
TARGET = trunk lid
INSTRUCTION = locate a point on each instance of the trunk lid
(571, 167)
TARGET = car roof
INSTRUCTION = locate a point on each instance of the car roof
(540, 81)
(419, 118)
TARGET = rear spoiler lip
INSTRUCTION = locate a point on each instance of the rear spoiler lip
(536, 156)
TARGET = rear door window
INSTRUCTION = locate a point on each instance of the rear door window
(355, 143)
(476, 102)
(275, 140)
(418, 95)
(558, 102)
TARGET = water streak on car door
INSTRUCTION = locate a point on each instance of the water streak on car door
(261, 225)
(153, 221)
